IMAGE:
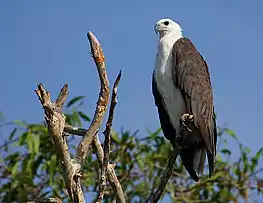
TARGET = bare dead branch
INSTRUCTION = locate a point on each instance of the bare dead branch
(99, 150)
(102, 102)
(47, 200)
(62, 96)
(164, 179)
(57, 129)
(56, 121)
(106, 147)
(111, 175)
(74, 130)
(93, 130)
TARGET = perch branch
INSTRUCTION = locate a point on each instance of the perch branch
(56, 121)
(111, 175)
(186, 128)
(106, 147)
(165, 177)
(102, 102)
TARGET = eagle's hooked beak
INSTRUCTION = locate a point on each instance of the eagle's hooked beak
(155, 29)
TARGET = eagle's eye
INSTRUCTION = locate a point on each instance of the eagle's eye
(166, 23)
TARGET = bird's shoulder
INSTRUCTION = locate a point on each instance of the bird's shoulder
(185, 46)
(185, 54)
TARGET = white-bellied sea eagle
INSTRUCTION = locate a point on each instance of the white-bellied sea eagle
(181, 87)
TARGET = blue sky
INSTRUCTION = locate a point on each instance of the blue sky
(45, 41)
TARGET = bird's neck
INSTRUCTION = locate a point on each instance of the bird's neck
(172, 34)
(163, 59)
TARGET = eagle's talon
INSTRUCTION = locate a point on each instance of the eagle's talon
(189, 129)
(186, 120)
(186, 126)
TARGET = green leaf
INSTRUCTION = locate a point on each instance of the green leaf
(22, 138)
(52, 167)
(226, 151)
(115, 137)
(74, 100)
(68, 118)
(12, 158)
(24, 164)
(12, 134)
(140, 162)
(255, 159)
(37, 128)
(75, 118)
(224, 192)
(20, 123)
(36, 164)
(238, 172)
(155, 134)
(14, 170)
(30, 163)
(259, 153)
(231, 133)
(36, 141)
(84, 116)
(30, 143)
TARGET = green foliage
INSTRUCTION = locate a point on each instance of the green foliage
(30, 169)
(74, 100)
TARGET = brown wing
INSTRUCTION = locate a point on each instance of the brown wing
(192, 76)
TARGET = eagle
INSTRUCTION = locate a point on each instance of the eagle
(182, 91)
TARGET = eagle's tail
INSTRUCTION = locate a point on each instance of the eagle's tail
(199, 160)
(192, 159)
(211, 162)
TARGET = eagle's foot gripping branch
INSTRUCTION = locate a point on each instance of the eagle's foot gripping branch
(186, 130)
(187, 121)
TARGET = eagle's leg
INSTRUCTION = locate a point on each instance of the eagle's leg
(187, 121)
(186, 127)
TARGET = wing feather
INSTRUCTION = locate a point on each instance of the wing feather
(192, 76)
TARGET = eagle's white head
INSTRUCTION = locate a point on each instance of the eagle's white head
(167, 26)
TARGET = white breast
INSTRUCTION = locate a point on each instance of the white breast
(172, 97)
